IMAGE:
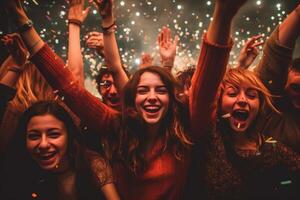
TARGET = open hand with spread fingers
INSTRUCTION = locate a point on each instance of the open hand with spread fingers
(16, 48)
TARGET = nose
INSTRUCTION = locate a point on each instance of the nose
(113, 91)
(242, 100)
(44, 144)
(152, 97)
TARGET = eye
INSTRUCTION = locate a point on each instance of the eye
(252, 94)
(54, 134)
(142, 90)
(106, 84)
(232, 93)
(33, 136)
(162, 90)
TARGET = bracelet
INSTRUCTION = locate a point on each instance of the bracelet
(107, 28)
(109, 31)
(75, 21)
(25, 27)
(30, 48)
(15, 69)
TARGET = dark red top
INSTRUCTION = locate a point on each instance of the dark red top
(165, 177)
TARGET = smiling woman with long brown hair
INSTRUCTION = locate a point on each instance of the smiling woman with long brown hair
(149, 142)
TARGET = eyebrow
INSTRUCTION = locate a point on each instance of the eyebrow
(35, 130)
(146, 86)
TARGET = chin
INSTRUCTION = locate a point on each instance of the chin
(239, 127)
(151, 121)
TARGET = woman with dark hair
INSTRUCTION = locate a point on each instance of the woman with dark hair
(53, 164)
(148, 143)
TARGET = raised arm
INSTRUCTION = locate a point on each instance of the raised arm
(249, 52)
(278, 52)
(17, 59)
(111, 51)
(95, 114)
(94, 40)
(76, 17)
(211, 67)
(146, 60)
(167, 48)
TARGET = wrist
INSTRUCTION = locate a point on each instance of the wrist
(20, 19)
(109, 20)
(109, 29)
(74, 22)
(15, 69)
(167, 63)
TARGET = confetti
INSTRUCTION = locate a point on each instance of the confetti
(287, 182)
(34, 195)
(138, 20)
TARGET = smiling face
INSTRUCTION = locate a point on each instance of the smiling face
(293, 87)
(47, 141)
(109, 92)
(242, 104)
(152, 98)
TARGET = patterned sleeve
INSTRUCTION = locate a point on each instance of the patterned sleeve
(288, 157)
(95, 114)
(100, 168)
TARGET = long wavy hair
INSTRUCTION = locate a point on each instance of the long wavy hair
(235, 76)
(31, 87)
(173, 132)
(32, 173)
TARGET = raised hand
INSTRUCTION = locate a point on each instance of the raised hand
(76, 10)
(105, 8)
(146, 60)
(167, 46)
(16, 48)
(249, 51)
(16, 11)
(94, 40)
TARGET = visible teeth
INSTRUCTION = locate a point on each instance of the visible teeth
(239, 125)
(226, 115)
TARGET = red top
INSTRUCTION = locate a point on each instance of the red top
(165, 178)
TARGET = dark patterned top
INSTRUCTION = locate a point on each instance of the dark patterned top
(271, 172)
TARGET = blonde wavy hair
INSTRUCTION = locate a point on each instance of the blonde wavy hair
(235, 76)
(31, 87)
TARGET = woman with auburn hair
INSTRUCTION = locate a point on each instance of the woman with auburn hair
(54, 164)
(239, 162)
(148, 143)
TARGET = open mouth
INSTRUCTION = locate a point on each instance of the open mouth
(240, 115)
(114, 100)
(152, 109)
(47, 156)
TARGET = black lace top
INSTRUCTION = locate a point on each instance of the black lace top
(270, 172)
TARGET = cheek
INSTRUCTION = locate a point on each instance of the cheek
(255, 106)
(104, 91)
(30, 145)
(226, 104)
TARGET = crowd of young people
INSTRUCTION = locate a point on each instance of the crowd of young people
(212, 132)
